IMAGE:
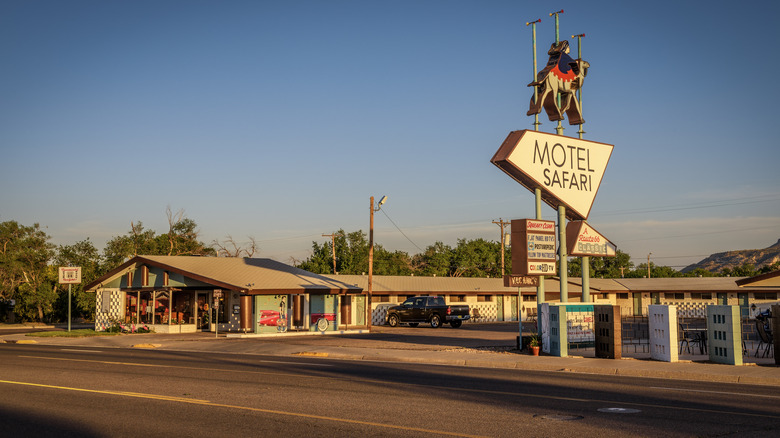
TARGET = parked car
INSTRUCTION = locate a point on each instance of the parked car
(432, 310)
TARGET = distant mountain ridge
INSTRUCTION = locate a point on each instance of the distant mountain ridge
(730, 259)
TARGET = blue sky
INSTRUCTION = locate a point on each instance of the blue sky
(279, 119)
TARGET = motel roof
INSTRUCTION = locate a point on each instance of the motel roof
(248, 275)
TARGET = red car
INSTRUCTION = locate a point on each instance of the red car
(268, 318)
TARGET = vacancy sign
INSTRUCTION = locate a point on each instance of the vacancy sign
(567, 170)
(583, 240)
(70, 275)
(533, 247)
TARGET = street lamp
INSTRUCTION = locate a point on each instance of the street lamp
(371, 257)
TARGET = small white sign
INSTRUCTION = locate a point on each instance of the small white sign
(70, 275)
(541, 268)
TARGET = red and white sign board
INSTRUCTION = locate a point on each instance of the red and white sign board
(533, 247)
(70, 275)
(567, 170)
(583, 240)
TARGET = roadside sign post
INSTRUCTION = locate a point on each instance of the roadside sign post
(69, 276)
(217, 296)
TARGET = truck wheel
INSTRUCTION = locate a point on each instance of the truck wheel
(435, 321)
(455, 323)
(414, 324)
(392, 320)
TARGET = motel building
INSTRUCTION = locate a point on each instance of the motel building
(253, 296)
(185, 294)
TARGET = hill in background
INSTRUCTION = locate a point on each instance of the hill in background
(730, 259)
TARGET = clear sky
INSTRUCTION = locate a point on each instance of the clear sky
(280, 119)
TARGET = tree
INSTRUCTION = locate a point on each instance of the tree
(232, 249)
(476, 258)
(603, 267)
(435, 260)
(351, 255)
(181, 239)
(85, 255)
(25, 252)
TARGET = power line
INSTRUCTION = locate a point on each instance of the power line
(400, 231)
(714, 204)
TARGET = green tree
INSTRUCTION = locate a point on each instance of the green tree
(351, 255)
(181, 239)
(699, 272)
(82, 254)
(476, 258)
(25, 252)
(603, 267)
(435, 260)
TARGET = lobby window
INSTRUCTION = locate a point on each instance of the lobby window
(529, 297)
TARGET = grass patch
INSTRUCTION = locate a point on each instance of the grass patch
(80, 333)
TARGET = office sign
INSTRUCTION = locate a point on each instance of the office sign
(70, 275)
(567, 170)
(583, 240)
(533, 247)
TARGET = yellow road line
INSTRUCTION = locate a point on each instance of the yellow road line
(244, 408)
(479, 391)
(149, 365)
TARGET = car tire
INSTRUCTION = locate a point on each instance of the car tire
(392, 320)
(414, 324)
(435, 321)
(455, 323)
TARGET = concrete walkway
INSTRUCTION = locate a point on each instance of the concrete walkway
(490, 346)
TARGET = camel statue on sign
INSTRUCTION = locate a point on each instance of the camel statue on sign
(563, 75)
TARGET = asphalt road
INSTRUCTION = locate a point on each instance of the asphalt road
(87, 392)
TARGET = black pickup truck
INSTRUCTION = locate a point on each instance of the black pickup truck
(415, 310)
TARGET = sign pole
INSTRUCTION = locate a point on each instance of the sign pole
(537, 191)
(69, 318)
(559, 128)
(69, 275)
(563, 270)
(585, 259)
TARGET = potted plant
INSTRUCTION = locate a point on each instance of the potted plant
(534, 344)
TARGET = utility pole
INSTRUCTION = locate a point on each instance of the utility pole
(501, 224)
(648, 264)
(371, 258)
(333, 246)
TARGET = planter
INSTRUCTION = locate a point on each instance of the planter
(534, 350)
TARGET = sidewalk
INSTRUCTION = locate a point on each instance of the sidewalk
(396, 348)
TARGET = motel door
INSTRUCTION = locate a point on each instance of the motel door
(204, 313)
(637, 304)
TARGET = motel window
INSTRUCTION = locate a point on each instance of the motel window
(604, 296)
(529, 297)
(457, 298)
(484, 298)
(622, 296)
(381, 298)
(674, 296)
(765, 295)
(705, 297)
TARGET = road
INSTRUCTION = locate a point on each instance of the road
(87, 392)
